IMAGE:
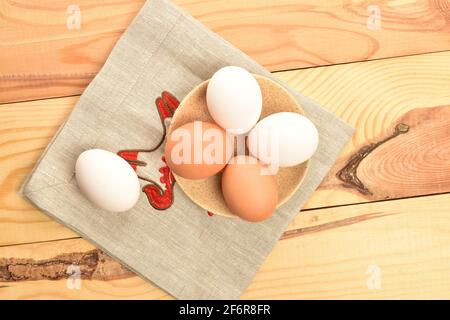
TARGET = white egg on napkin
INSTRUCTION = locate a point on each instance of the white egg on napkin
(234, 99)
(107, 180)
(284, 139)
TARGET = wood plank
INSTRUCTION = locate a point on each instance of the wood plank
(399, 108)
(389, 249)
(282, 34)
(374, 97)
(25, 131)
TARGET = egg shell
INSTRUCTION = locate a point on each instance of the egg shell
(107, 180)
(285, 139)
(196, 165)
(234, 99)
(249, 193)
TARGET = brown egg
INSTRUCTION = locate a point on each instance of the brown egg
(198, 150)
(248, 193)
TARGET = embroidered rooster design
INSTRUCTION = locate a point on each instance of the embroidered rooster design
(159, 196)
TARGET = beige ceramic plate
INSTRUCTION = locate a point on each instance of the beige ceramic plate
(207, 193)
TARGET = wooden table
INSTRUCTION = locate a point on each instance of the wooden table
(378, 226)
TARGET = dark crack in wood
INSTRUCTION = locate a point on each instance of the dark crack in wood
(348, 174)
(93, 264)
(332, 225)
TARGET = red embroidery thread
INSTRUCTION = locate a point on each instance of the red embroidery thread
(159, 197)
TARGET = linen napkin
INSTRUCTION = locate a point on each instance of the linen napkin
(165, 238)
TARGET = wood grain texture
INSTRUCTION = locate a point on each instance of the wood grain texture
(282, 34)
(25, 130)
(325, 253)
(399, 108)
(374, 97)
(413, 160)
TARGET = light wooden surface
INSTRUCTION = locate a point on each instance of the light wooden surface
(281, 35)
(326, 253)
(377, 227)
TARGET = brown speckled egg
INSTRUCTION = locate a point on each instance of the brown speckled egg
(248, 193)
(198, 150)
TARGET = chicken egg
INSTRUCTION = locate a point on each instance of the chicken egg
(249, 191)
(234, 99)
(107, 180)
(283, 139)
(198, 150)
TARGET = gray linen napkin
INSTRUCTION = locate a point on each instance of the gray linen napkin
(166, 238)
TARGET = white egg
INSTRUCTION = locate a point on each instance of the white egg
(284, 139)
(107, 180)
(234, 99)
